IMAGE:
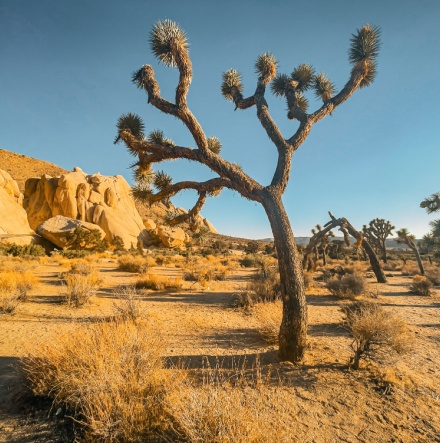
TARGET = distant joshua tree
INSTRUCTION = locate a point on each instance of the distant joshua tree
(377, 232)
(432, 203)
(403, 236)
(321, 245)
(169, 44)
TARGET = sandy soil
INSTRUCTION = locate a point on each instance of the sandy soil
(333, 403)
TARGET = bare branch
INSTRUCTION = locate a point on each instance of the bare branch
(192, 213)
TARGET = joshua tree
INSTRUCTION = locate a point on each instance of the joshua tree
(403, 236)
(377, 232)
(169, 44)
(347, 229)
(432, 203)
(322, 243)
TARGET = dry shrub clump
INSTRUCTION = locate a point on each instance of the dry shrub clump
(269, 317)
(410, 268)
(204, 270)
(433, 275)
(234, 405)
(158, 282)
(421, 286)
(348, 287)
(9, 295)
(135, 263)
(109, 377)
(375, 331)
(81, 283)
(128, 306)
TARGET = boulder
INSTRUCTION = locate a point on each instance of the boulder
(98, 199)
(171, 237)
(209, 225)
(149, 225)
(13, 218)
(58, 229)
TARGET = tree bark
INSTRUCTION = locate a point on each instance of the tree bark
(293, 330)
(419, 260)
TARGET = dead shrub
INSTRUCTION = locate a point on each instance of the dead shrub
(375, 331)
(25, 282)
(79, 288)
(433, 275)
(348, 287)
(158, 282)
(108, 376)
(9, 300)
(129, 306)
(410, 268)
(82, 267)
(134, 263)
(237, 405)
(421, 286)
(269, 317)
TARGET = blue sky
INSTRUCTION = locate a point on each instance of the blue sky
(65, 80)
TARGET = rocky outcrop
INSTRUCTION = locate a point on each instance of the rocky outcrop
(172, 237)
(101, 200)
(13, 218)
(59, 229)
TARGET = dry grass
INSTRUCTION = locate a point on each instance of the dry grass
(80, 288)
(410, 268)
(349, 286)
(109, 376)
(421, 286)
(375, 331)
(158, 282)
(269, 317)
(129, 306)
(135, 263)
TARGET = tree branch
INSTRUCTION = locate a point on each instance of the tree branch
(192, 213)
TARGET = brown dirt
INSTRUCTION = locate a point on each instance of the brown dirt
(334, 404)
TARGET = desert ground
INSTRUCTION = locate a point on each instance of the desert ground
(395, 399)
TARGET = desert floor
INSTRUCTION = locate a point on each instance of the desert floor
(396, 401)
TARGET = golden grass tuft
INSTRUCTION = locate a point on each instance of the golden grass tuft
(158, 282)
(80, 288)
(269, 317)
(135, 263)
(109, 376)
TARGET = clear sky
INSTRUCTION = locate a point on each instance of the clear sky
(65, 79)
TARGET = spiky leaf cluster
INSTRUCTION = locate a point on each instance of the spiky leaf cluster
(158, 137)
(371, 66)
(139, 78)
(303, 74)
(432, 203)
(324, 88)
(214, 145)
(231, 82)
(162, 180)
(163, 34)
(279, 85)
(365, 44)
(301, 101)
(131, 122)
(266, 67)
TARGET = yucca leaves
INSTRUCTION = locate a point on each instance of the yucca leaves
(301, 101)
(214, 145)
(158, 137)
(303, 74)
(279, 85)
(323, 87)
(371, 73)
(365, 44)
(266, 67)
(162, 180)
(139, 78)
(162, 36)
(131, 122)
(231, 82)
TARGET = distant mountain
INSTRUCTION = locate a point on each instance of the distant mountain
(303, 241)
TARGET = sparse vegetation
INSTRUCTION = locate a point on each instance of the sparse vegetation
(80, 287)
(158, 282)
(128, 306)
(375, 331)
(349, 286)
(421, 286)
(135, 263)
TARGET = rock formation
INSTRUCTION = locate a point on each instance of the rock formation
(101, 200)
(13, 219)
(59, 229)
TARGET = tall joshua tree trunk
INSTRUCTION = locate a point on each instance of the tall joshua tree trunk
(169, 44)
(293, 330)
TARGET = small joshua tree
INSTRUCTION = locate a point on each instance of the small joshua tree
(322, 244)
(377, 232)
(403, 236)
(169, 44)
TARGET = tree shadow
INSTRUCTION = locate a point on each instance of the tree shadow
(327, 329)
